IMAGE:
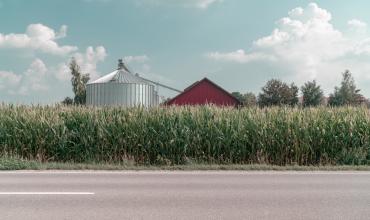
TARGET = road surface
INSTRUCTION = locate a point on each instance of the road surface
(184, 195)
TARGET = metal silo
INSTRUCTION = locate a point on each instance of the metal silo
(121, 88)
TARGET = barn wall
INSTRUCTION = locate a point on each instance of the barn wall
(204, 93)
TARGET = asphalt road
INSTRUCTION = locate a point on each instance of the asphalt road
(184, 195)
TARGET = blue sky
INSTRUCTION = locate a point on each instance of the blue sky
(239, 44)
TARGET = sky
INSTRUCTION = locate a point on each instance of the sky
(238, 44)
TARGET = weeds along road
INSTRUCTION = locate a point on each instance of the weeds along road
(184, 195)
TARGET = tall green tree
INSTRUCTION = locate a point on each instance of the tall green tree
(276, 92)
(312, 94)
(347, 93)
(248, 99)
(239, 96)
(67, 101)
(79, 81)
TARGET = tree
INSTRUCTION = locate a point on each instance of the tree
(164, 100)
(276, 92)
(248, 99)
(79, 81)
(347, 93)
(67, 101)
(239, 96)
(312, 94)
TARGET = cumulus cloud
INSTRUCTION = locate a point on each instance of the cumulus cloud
(38, 37)
(39, 76)
(357, 23)
(358, 29)
(201, 4)
(62, 72)
(35, 78)
(8, 79)
(87, 61)
(240, 56)
(306, 45)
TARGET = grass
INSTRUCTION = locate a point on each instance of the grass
(11, 163)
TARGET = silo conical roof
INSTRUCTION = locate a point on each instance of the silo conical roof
(121, 75)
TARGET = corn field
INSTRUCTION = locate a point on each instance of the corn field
(184, 135)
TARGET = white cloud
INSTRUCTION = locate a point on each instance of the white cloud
(200, 4)
(203, 4)
(62, 72)
(357, 23)
(38, 76)
(89, 60)
(37, 68)
(34, 78)
(38, 37)
(306, 45)
(239, 56)
(358, 29)
(8, 79)
(138, 59)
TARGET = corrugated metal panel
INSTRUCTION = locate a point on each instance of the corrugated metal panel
(122, 94)
(121, 88)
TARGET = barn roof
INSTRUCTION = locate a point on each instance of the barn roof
(186, 90)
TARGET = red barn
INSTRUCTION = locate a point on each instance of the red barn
(204, 92)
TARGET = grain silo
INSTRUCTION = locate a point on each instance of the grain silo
(121, 88)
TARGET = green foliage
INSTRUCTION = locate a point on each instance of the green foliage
(312, 94)
(67, 101)
(12, 163)
(347, 93)
(278, 93)
(79, 82)
(165, 101)
(239, 96)
(248, 99)
(177, 135)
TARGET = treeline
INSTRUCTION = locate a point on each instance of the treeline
(279, 93)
